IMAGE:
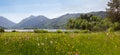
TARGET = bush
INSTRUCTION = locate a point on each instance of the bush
(59, 31)
(85, 31)
(81, 31)
(114, 27)
(40, 31)
(77, 31)
(67, 32)
(13, 30)
(97, 28)
(111, 29)
(2, 30)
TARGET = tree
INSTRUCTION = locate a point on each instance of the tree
(90, 22)
(1, 30)
(113, 10)
(70, 24)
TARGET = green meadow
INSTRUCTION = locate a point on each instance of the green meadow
(96, 43)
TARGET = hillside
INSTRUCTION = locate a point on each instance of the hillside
(4, 22)
(32, 22)
(46, 23)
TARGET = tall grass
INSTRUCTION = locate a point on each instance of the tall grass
(60, 43)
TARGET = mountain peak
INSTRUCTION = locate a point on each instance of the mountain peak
(40, 16)
(4, 22)
(1, 17)
(32, 16)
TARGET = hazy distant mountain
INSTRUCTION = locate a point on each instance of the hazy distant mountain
(101, 14)
(4, 22)
(56, 23)
(61, 22)
(33, 22)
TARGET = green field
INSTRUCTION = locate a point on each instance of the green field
(101, 43)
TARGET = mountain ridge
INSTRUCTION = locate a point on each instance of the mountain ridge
(56, 23)
(4, 22)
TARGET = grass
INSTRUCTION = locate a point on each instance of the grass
(100, 43)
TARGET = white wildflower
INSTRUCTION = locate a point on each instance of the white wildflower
(42, 44)
(38, 44)
(51, 42)
(107, 34)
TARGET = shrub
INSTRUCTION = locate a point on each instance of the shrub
(114, 27)
(2, 30)
(13, 30)
(40, 31)
(59, 31)
(77, 31)
(85, 31)
(111, 29)
(67, 31)
(81, 31)
(97, 28)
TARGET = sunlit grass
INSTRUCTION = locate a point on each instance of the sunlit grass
(101, 43)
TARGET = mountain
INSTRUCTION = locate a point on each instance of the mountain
(56, 23)
(33, 22)
(4, 22)
(61, 21)
(101, 14)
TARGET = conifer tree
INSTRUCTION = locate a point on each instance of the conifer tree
(113, 10)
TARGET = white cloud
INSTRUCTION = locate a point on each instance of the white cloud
(51, 9)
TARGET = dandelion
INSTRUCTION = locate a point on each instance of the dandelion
(42, 44)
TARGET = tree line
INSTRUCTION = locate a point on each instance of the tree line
(94, 23)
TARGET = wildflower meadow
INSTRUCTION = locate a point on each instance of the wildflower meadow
(100, 43)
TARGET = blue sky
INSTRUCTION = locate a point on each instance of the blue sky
(16, 10)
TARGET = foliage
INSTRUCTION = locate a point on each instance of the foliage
(68, 32)
(114, 10)
(85, 31)
(77, 31)
(13, 30)
(111, 29)
(89, 22)
(1, 30)
(59, 31)
(114, 27)
(81, 31)
(40, 31)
